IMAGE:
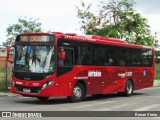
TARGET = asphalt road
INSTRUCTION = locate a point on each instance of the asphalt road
(142, 100)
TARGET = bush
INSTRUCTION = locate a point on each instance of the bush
(157, 71)
(3, 79)
(2, 85)
(2, 69)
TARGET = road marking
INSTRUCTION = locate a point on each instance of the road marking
(113, 107)
(147, 107)
(88, 105)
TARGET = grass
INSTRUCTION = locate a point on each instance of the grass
(2, 79)
(1, 75)
(157, 72)
(2, 70)
(2, 85)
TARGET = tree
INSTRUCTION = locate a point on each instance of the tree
(117, 19)
(23, 25)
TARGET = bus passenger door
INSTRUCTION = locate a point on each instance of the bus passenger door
(65, 65)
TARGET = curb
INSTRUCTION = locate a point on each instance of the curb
(156, 83)
(3, 94)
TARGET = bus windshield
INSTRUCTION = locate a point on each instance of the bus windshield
(35, 59)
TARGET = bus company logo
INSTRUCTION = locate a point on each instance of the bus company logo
(94, 73)
(35, 84)
(126, 74)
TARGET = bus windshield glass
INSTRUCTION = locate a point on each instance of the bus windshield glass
(35, 59)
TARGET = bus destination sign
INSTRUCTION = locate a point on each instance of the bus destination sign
(34, 38)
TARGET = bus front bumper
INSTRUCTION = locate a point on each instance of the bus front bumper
(38, 91)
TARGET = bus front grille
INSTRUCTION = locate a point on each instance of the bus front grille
(30, 89)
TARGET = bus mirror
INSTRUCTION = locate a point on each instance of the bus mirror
(63, 55)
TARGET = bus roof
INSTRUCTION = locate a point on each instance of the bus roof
(92, 38)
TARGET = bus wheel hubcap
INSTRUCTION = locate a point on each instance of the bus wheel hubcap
(77, 92)
(129, 88)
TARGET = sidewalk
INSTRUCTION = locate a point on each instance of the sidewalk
(156, 84)
(4, 94)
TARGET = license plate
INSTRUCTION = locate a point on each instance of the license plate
(26, 90)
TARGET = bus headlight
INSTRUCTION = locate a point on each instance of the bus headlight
(45, 85)
(50, 83)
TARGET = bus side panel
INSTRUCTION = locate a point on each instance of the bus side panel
(118, 76)
(142, 77)
(93, 76)
(116, 79)
(65, 83)
(103, 80)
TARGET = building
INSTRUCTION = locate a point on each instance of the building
(3, 54)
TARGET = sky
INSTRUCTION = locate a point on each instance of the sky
(61, 16)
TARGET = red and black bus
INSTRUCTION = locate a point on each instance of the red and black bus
(56, 64)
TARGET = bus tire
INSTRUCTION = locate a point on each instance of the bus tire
(78, 93)
(129, 88)
(42, 98)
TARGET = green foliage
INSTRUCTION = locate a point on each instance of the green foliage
(3, 79)
(2, 85)
(23, 25)
(113, 33)
(2, 88)
(2, 69)
(157, 71)
(117, 19)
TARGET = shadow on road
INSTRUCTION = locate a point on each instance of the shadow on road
(55, 101)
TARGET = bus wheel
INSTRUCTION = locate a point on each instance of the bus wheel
(78, 93)
(42, 98)
(129, 88)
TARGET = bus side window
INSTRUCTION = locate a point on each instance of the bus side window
(111, 55)
(84, 55)
(99, 55)
(135, 57)
(123, 56)
(69, 58)
(79, 56)
(146, 58)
